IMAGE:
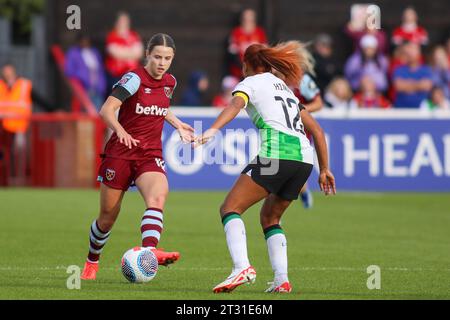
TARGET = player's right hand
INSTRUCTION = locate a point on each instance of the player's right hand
(186, 133)
(126, 139)
(327, 182)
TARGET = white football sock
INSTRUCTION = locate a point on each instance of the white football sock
(277, 246)
(237, 243)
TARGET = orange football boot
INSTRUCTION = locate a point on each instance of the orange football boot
(89, 271)
(165, 258)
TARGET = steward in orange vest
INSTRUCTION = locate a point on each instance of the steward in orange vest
(15, 101)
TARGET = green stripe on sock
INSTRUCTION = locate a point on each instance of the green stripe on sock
(270, 233)
(230, 217)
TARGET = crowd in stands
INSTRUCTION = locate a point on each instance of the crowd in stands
(374, 78)
(383, 71)
(400, 70)
(124, 51)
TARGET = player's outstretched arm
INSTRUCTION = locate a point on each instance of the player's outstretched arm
(185, 130)
(326, 178)
(108, 114)
(228, 114)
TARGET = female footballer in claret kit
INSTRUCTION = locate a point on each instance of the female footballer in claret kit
(134, 151)
(284, 162)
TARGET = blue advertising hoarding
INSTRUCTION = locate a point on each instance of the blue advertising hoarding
(365, 154)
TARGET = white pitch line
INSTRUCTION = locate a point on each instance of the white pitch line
(353, 269)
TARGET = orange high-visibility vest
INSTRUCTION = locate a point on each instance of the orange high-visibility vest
(16, 101)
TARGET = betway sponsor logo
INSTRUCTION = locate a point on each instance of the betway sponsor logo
(153, 110)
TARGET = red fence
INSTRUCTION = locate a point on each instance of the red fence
(58, 150)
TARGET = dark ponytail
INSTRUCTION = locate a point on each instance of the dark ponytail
(160, 39)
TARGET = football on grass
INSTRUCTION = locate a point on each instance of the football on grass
(139, 265)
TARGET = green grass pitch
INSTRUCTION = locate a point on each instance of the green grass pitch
(42, 232)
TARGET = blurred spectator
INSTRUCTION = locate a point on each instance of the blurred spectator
(15, 100)
(409, 31)
(357, 28)
(399, 58)
(84, 63)
(124, 49)
(368, 61)
(339, 95)
(223, 99)
(413, 81)
(307, 91)
(197, 86)
(436, 101)
(440, 69)
(241, 37)
(369, 96)
(309, 94)
(15, 104)
(447, 48)
(326, 67)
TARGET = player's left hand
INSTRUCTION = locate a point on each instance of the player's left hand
(186, 133)
(327, 182)
(205, 137)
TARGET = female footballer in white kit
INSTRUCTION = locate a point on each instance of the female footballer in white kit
(284, 162)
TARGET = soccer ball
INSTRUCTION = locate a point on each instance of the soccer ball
(139, 265)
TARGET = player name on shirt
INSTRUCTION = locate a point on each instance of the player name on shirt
(153, 110)
(281, 87)
(275, 110)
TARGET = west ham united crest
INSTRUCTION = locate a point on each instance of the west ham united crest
(168, 92)
(110, 174)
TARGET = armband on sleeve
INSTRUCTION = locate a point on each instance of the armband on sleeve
(120, 93)
(243, 95)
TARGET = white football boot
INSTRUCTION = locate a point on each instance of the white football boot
(285, 287)
(236, 279)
